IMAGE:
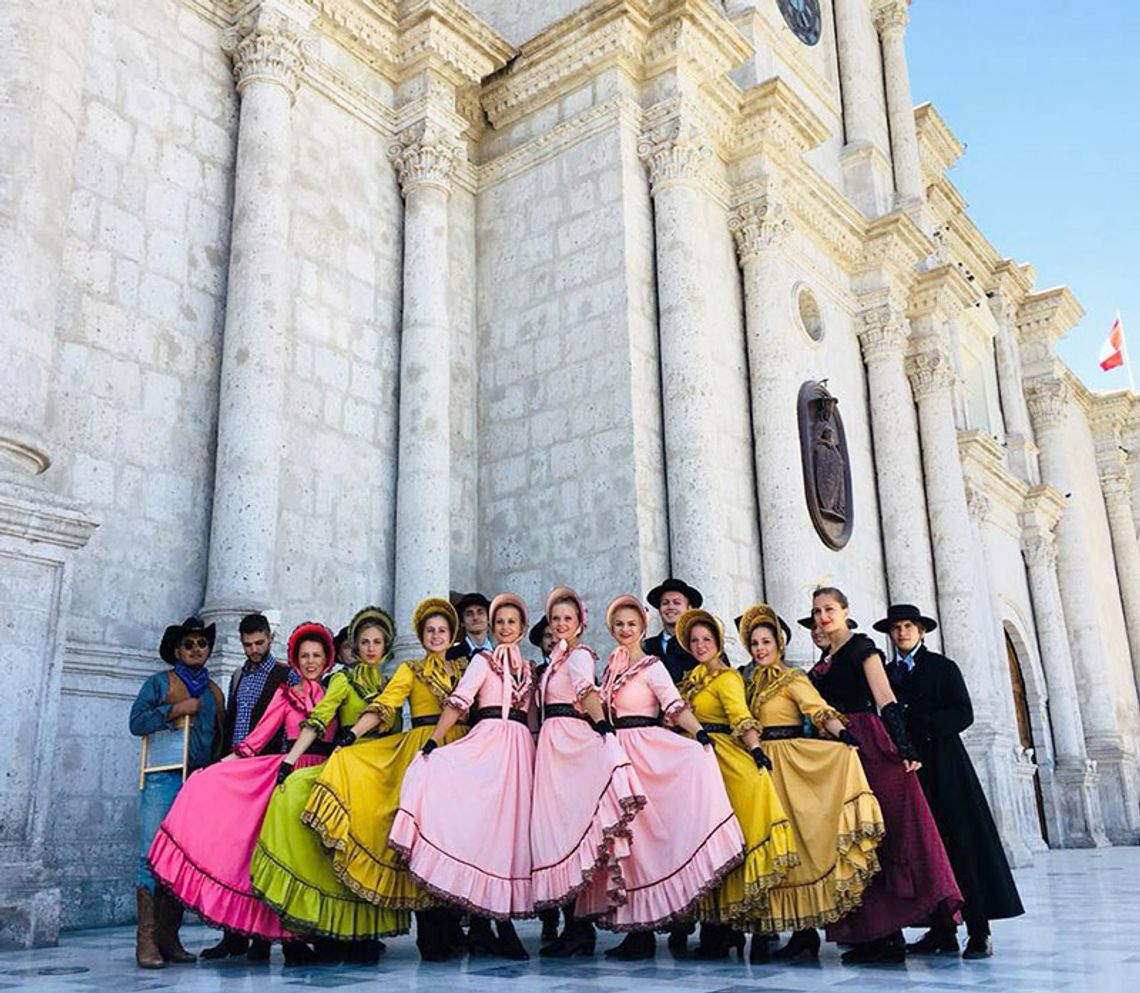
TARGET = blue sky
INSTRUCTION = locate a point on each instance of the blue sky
(1045, 95)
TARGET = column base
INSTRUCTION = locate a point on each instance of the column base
(1117, 787)
(994, 762)
(29, 907)
(1071, 790)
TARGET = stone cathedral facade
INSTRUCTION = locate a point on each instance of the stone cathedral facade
(315, 303)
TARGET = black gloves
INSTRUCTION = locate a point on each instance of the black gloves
(603, 727)
(702, 736)
(283, 771)
(895, 723)
(429, 747)
(762, 761)
(848, 738)
(344, 738)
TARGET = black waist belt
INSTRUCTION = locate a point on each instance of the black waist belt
(868, 708)
(316, 748)
(368, 735)
(717, 728)
(779, 731)
(429, 721)
(626, 723)
(485, 713)
(562, 710)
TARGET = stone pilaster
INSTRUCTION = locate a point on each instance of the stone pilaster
(1114, 484)
(890, 20)
(266, 49)
(1010, 289)
(424, 157)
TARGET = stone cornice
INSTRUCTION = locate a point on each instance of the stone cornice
(1048, 315)
(443, 36)
(938, 147)
(1007, 287)
(895, 244)
(941, 293)
(1044, 506)
(774, 121)
(984, 468)
(32, 515)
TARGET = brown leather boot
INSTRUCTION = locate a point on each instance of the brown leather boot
(147, 954)
(168, 913)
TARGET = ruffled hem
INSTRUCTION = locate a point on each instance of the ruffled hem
(326, 915)
(215, 902)
(659, 905)
(455, 882)
(604, 845)
(764, 865)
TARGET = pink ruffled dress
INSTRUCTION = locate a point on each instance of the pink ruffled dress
(202, 851)
(463, 825)
(687, 837)
(585, 791)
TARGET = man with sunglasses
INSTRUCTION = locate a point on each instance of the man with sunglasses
(183, 690)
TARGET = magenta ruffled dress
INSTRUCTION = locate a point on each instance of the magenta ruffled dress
(585, 792)
(687, 838)
(202, 851)
(463, 825)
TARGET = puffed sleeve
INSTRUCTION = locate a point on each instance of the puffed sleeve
(324, 713)
(390, 702)
(149, 713)
(729, 690)
(659, 680)
(806, 697)
(580, 665)
(268, 726)
(464, 694)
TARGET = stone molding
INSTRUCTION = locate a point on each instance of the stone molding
(29, 515)
(1048, 315)
(930, 372)
(424, 157)
(890, 15)
(895, 244)
(985, 471)
(940, 293)
(1048, 398)
(759, 227)
(938, 147)
(774, 120)
(267, 46)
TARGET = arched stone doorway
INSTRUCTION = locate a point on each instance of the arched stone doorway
(1028, 734)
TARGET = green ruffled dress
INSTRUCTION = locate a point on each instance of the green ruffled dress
(291, 870)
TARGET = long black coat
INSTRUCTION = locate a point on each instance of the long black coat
(676, 659)
(938, 710)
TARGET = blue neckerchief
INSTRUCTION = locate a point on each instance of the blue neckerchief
(195, 678)
(907, 660)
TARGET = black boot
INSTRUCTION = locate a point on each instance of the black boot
(507, 945)
(549, 918)
(891, 949)
(258, 950)
(231, 946)
(431, 936)
(713, 943)
(760, 951)
(578, 939)
(978, 946)
(367, 951)
(936, 941)
(635, 947)
(804, 943)
(480, 939)
(299, 953)
(679, 936)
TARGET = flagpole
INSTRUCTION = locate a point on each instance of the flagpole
(1124, 352)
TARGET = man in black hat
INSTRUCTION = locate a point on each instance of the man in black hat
(671, 599)
(252, 687)
(937, 705)
(183, 691)
(475, 621)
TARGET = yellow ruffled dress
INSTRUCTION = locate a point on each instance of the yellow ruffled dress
(719, 702)
(354, 799)
(835, 817)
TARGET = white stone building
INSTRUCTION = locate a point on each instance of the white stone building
(313, 303)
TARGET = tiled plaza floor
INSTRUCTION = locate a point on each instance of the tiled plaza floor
(1081, 935)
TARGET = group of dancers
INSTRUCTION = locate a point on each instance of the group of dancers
(673, 790)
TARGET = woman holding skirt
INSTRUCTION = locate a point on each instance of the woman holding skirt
(686, 839)
(463, 825)
(354, 800)
(291, 870)
(836, 819)
(585, 790)
(715, 691)
(202, 850)
(916, 881)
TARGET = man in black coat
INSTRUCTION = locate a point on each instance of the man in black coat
(472, 637)
(938, 709)
(671, 599)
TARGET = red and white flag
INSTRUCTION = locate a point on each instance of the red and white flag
(1112, 351)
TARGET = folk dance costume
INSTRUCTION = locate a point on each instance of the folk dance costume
(835, 817)
(585, 790)
(463, 825)
(203, 849)
(686, 839)
(938, 709)
(354, 800)
(717, 698)
(915, 882)
(291, 870)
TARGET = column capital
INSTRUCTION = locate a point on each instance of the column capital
(759, 226)
(267, 46)
(1116, 486)
(676, 152)
(884, 332)
(1048, 399)
(1039, 548)
(977, 504)
(425, 155)
(930, 372)
(890, 15)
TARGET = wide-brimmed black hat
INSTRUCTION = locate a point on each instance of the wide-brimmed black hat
(536, 632)
(904, 612)
(783, 626)
(809, 623)
(174, 634)
(672, 585)
(471, 600)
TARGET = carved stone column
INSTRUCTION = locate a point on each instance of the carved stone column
(678, 157)
(898, 461)
(267, 61)
(890, 20)
(1012, 285)
(1077, 820)
(1114, 484)
(424, 156)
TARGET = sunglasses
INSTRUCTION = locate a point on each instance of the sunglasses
(195, 643)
